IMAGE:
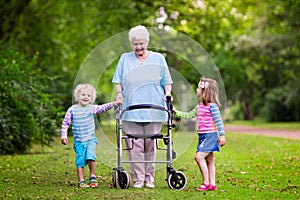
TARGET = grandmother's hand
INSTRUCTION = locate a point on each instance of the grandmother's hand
(119, 98)
(166, 98)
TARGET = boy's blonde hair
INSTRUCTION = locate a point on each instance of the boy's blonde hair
(139, 33)
(209, 91)
(85, 86)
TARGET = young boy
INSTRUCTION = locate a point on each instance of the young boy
(81, 116)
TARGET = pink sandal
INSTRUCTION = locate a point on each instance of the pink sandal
(212, 187)
(204, 187)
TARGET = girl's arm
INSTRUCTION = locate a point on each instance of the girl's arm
(186, 115)
(215, 112)
(214, 109)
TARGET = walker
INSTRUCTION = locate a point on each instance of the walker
(121, 178)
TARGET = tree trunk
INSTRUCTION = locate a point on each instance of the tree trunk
(247, 113)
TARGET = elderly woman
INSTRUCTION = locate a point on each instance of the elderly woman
(142, 77)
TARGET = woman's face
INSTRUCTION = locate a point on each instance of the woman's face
(139, 46)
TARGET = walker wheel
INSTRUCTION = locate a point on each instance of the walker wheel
(177, 181)
(123, 180)
(114, 178)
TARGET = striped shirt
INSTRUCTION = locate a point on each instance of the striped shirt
(82, 120)
(209, 118)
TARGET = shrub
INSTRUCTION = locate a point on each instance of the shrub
(281, 104)
(27, 113)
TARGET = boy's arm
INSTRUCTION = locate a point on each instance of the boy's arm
(65, 126)
(186, 115)
(102, 108)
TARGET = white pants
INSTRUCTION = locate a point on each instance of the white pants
(143, 149)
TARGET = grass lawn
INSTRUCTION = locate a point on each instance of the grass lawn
(272, 125)
(248, 167)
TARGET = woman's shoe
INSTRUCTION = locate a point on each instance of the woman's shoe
(204, 187)
(150, 185)
(138, 184)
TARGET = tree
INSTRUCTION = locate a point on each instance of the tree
(254, 44)
(270, 60)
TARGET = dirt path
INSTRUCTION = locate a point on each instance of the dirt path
(292, 134)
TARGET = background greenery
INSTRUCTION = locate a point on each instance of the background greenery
(254, 43)
(27, 114)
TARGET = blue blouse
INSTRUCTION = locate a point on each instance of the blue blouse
(143, 83)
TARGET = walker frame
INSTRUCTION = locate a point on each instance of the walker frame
(121, 179)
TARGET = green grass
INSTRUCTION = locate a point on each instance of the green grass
(273, 125)
(248, 167)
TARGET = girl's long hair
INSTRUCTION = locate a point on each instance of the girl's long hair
(210, 91)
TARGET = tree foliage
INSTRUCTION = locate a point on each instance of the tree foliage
(254, 43)
(269, 54)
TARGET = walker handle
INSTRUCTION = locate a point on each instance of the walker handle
(168, 98)
(143, 106)
(169, 103)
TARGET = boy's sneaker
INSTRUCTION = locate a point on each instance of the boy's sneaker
(93, 182)
(82, 184)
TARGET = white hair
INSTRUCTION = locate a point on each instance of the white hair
(83, 87)
(139, 33)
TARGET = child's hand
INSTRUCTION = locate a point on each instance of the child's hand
(173, 109)
(64, 141)
(117, 103)
(222, 140)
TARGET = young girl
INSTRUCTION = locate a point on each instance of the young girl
(81, 116)
(210, 130)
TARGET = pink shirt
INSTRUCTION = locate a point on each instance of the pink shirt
(206, 123)
(208, 117)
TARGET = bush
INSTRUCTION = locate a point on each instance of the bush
(281, 104)
(27, 113)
